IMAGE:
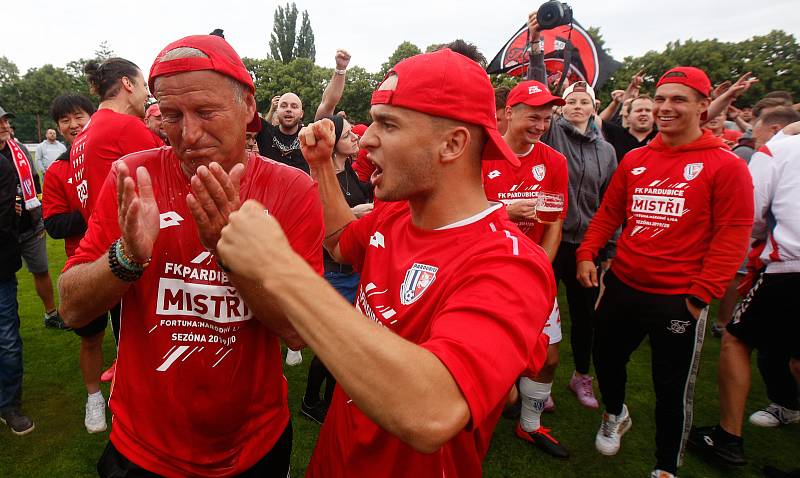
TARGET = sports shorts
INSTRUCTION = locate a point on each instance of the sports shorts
(767, 316)
(33, 246)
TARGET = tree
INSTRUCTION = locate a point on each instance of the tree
(305, 40)
(104, 51)
(773, 58)
(284, 32)
(9, 72)
(403, 51)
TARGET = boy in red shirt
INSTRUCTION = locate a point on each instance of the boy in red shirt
(543, 170)
(686, 203)
(442, 328)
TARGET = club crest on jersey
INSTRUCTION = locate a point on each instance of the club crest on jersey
(418, 278)
(692, 170)
(538, 171)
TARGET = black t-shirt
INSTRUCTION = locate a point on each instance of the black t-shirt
(10, 261)
(284, 148)
(622, 140)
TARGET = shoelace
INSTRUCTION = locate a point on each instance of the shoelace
(585, 386)
(608, 427)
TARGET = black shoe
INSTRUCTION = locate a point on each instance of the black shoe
(772, 472)
(704, 439)
(53, 321)
(541, 438)
(18, 423)
(316, 412)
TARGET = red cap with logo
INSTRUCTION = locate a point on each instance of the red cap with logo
(220, 57)
(448, 85)
(690, 76)
(532, 93)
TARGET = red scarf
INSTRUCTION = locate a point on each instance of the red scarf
(25, 175)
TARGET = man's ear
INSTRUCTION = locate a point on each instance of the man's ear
(455, 144)
(127, 84)
(508, 113)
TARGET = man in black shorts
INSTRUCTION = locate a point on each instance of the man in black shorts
(761, 320)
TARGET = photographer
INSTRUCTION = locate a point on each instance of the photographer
(591, 162)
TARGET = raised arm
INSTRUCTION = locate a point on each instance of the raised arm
(725, 99)
(273, 106)
(536, 69)
(333, 92)
(317, 141)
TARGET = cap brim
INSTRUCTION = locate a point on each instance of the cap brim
(9, 115)
(497, 148)
(554, 100)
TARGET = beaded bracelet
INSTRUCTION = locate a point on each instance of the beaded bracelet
(122, 266)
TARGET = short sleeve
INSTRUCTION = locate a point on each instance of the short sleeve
(103, 228)
(485, 343)
(306, 229)
(54, 193)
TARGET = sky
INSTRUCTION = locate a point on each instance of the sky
(36, 33)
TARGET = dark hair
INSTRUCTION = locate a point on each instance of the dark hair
(500, 96)
(467, 49)
(338, 127)
(70, 103)
(770, 102)
(782, 94)
(104, 77)
(781, 115)
(640, 97)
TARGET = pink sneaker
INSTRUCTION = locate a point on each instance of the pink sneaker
(581, 386)
(108, 375)
(549, 405)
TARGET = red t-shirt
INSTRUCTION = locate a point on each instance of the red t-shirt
(59, 197)
(199, 387)
(731, 135)
(672, 201)
(440, 289)
(107, 137)
(542, 169)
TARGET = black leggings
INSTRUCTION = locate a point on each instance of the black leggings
(581, 302)
(318, 373)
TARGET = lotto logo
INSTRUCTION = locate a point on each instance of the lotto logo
(532, 90)
(493, 174)
(169, 219)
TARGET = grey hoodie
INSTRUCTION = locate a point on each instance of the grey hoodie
(591, 162)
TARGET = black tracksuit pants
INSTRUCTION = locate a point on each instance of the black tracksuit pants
(625, 316)
(581, 302)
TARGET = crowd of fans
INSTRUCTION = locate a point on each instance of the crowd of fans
(213, 233)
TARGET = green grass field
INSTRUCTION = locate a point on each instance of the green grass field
(54, 397)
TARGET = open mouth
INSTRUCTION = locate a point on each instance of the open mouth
(376, 175)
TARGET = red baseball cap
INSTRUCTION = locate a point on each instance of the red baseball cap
(448, 85)
(690, 76)
(532, 93)
(359, 129)
(152, 110)
(221, 57)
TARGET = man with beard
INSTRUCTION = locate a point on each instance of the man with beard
(640, 128)
(279, 142)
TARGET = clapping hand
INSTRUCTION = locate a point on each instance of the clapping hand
(214, 196)
(137, 212)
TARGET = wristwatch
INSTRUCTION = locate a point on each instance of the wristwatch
(340, 72)
(697, 301)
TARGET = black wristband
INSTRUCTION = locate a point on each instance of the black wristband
(121, 272)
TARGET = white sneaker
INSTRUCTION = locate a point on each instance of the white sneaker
(293, 357)
(95, 420)
(611, 430)
(661, 474)
(774, 415)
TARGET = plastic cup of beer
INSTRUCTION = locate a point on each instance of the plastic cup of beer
(549, 207)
